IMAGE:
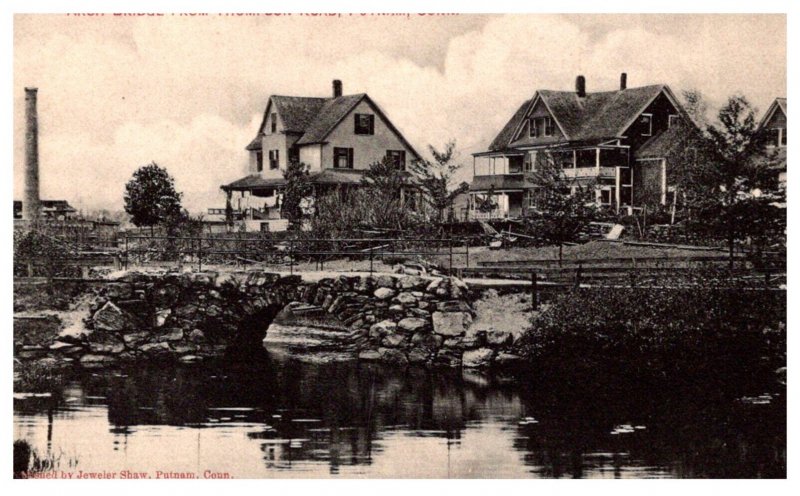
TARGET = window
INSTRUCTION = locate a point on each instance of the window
(342, 158)
(783, 137)
(259, 161)
(273, 122)
(541, 126)
(673, 120)
(646, 123)
(365, 124)
(398, 157)
(530, 160)
(274, 161)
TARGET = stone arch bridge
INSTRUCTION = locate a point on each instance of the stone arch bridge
(191, 316)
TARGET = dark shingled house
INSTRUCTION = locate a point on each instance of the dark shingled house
(616, 140)
(775, 123)
(337, 137)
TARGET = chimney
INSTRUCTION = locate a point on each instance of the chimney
(623, 81)
(337, 88)
(580, 86)
(31, 205)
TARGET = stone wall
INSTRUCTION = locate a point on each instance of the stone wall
(191, 316)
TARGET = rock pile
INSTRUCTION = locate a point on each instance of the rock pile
(401, 319)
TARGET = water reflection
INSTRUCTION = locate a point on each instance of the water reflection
(284, 418)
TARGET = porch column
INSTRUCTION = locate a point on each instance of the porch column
(616, 189)
(663, 181)
(597, 160)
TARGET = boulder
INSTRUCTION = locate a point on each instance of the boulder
(384, 281)
(174, 334)
(506, 359)
(393, 340)
(135, 338)
(162, 316)
(182, 349)
(448, 358)
(92, 361)
(111, 318)
(197, 336)
(412, 282)
(383, 328)
(107, 348)
(418, 312)
(426, 341)
(369, 355)
(412, 324)
(393, 356)
(453, 306)
(419, 356)
(383, 293)
(433, 285)
(451, 323)
(482, 357)
(498, 338)
(406, 298)
(155, 348)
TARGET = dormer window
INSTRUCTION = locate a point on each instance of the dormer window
(541, 126)
(273, 123)
(646, 123)
(365, 124)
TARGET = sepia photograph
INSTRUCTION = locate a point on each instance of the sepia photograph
(399, 245)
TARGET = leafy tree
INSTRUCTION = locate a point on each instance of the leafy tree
(297, 190)
(389, 188)
(435, 179)
(561, 213)
(150, 196)
(722, 173)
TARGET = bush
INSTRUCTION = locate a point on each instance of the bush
(46, 253)
(713, 326)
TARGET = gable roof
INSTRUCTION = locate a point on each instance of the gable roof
(778, 103)
(664, 143)
(328, 116)
(598, 115)
(316, 118)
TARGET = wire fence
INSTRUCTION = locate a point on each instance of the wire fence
(431, 253)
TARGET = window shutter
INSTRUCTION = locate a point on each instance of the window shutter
(277, 160)
(371, 124)
(350, 158)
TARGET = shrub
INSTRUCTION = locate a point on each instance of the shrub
(712, 326)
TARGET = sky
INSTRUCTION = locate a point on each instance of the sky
(188, 92)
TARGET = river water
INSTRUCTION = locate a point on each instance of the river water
(275, 416)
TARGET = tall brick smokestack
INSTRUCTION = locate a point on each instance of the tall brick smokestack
(31, 205)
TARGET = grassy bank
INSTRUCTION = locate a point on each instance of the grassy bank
(711, 330)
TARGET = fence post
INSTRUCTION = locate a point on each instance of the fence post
(126, 252)
(200, 253)
(466, 245)
(370, 261)
(534, 291)
(578, 274)
(450, 247)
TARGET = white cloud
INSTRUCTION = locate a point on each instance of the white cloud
(188, 92)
